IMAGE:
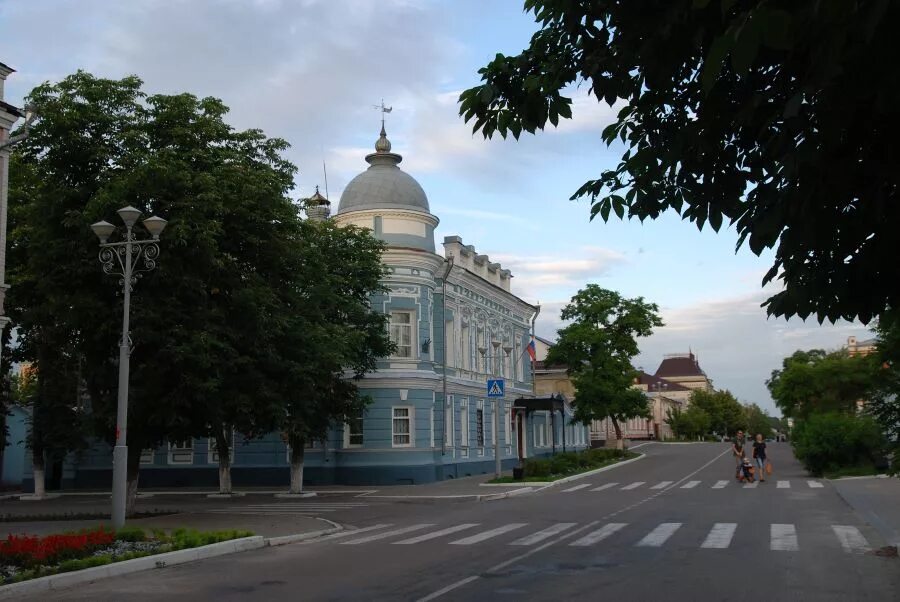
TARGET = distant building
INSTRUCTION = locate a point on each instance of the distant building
(865, 347)
(541, 348)
(685, 370)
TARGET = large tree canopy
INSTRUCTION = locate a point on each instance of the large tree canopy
(778, 117)
(817, 381)
(597, 348)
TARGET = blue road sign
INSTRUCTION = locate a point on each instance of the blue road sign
(495, 387)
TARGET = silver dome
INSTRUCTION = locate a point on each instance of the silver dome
(383, 185)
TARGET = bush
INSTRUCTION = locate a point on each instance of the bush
(829, 442)
(131, 534)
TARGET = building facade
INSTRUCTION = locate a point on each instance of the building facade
(684, 369)
(456, 324)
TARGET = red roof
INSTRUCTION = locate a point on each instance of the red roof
(680, 365)
(654, 383)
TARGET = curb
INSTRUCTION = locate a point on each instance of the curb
(157, 561)
(64, 580)
(871, 476)
(582, 475)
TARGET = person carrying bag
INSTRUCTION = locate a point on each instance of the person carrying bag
(763, 466)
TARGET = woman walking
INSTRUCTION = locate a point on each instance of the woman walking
(759, 454)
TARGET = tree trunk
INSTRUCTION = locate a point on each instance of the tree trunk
(619, 442)
(37, 463)
(223, 449)
(298, 450)
(134, 467)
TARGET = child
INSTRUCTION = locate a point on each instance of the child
(746, 473)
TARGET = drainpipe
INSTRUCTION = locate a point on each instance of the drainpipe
(537, 311)
(444, 363)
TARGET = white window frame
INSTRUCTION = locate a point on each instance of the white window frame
(411, 421)
(448, 423)
(431, 422)
(464, 425)
(450, 334)
(347, 434)
(176, 454)
(507, 424)
(147, 456)
(551, 436)
(212, 456)
(396, 338)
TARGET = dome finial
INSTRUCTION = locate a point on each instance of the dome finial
(383, 145)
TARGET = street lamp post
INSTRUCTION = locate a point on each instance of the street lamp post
(126, 259)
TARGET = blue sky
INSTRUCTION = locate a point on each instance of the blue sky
(309, 71)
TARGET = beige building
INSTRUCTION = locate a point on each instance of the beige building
(865, 347)
(684, 369)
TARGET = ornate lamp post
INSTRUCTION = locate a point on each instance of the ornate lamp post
(126, 259)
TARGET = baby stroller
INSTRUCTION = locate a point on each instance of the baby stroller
(745, 473)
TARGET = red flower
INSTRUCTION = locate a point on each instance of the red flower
(28, 551)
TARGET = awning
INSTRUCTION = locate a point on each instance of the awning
(554, 403)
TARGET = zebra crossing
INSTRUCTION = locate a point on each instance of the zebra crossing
(305, 508)
(721, 484)
(718, 536)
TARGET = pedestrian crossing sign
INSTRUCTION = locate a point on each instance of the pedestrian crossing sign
(495, 387)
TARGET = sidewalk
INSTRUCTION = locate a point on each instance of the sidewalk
(877, 500)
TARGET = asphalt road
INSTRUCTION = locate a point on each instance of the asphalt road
(672, 526)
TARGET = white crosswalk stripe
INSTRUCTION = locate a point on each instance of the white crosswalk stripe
(752, 485)
(349, 533)
(634, 485)
(720, 485)
(606, 486)
(436, 534)
(815, 484)
(783, 538)
(662, 485)
(690, 484)
(719, 536)
(288, 508)
(534, 538)
(783, 485)
(468, 541)
(598, 535)
(576, 488)
(386, 534)
(659, 535)
(851, 539)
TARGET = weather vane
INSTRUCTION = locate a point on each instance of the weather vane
(383, 110)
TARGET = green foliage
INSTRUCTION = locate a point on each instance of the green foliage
(689, 424)
(826, 442)
(250, 318)
(725, 413)
(569, 463)
(597, 347)
(756, 422)
(819, 381)
(740, 113)
(131, 534)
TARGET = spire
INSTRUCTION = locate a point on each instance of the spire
(318, 207)
(382, 145)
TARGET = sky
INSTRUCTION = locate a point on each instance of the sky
(311, 71)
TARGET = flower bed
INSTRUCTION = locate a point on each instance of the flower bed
(26, 557)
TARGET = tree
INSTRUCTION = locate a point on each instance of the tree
(756, 113)
(723, 409)
(817, 381)
(690, 423)
(330, 336)
(204, 322)
(756, 421)
(883, 403)
(597, 347)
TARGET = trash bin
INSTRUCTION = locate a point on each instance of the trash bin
(518, 473)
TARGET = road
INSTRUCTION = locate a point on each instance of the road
(673, 526)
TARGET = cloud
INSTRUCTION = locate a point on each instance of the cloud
(548, 274)
(736, 344)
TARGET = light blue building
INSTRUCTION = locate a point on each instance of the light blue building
(411, 433)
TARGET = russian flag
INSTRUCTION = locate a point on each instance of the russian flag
(532, 351)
